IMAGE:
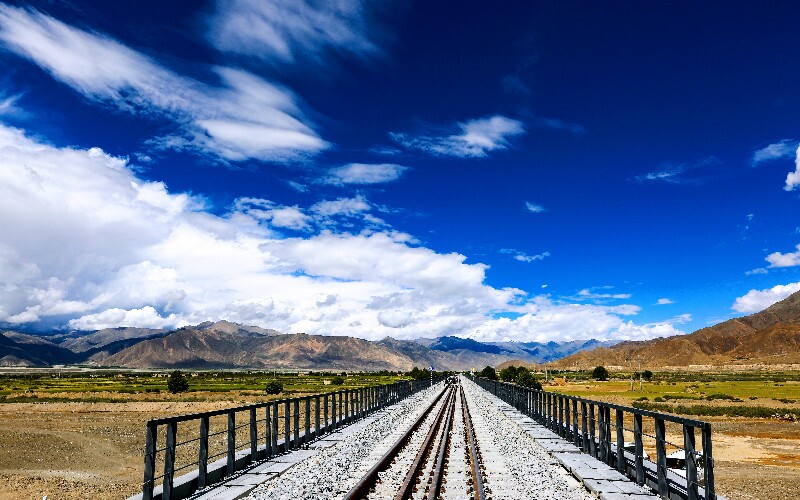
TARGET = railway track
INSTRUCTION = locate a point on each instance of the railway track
(416, 466)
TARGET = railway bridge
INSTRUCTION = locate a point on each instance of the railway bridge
(456, 438)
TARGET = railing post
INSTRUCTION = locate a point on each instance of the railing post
(231, 442)
(691, 464)
(151, 438)
(708, 463)
(639, 450)
(567, 420)
(661, 458)
(307, 428)
(169, 460)
(576, 438)
(620, 440)
(584, 427)
(333, 410)
(317, 430)
(296, 442)
(607, 441)
(274, 428)
(287, 426)
(253, 436)
(268, 430)
(202, 459)
(592, 442)
(601, 428)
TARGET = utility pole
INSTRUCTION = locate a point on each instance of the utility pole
(638, 360)
(630, 368)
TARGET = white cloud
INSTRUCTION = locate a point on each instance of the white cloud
(789, 259)
(522, 257)
(246, 117)
(132, 253)
(664, 301)
(590, 294)
(362, 173)
(288, 30)
(775, 151)
(758, 270)
(758, 300)
(473, 138)
(793, 178)
(533, 207)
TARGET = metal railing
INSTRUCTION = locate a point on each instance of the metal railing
(270, 428)
(589, 425)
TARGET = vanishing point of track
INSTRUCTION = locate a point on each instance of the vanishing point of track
(426, 476)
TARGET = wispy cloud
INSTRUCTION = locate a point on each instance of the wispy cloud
(592, 294)
(664, 302)
(776, 151)
(758, 270)
(291, 30)
(680, 173)
(554, 124)
(471, 139)
(522, 257)
(363, 173)
(534, 207)
(246, 117)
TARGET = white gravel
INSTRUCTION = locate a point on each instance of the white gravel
(516, 467)
(334, 471)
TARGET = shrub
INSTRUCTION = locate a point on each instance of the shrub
(510, 373)
(526, 379)
(337, 380)
(489, 373)
(273, 387)
(600, 373)
(177, 382)
(648, 375)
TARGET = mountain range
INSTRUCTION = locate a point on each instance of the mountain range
(224, 344)
(771, 336)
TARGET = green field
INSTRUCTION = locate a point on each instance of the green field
(127, 386)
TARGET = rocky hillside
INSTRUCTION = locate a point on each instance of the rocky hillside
(771, 336)
(229, 345)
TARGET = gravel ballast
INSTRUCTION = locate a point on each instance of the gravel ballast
(334, 471)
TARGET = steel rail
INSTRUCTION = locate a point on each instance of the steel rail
(361, 489)
(444, 448)
(410, 481)
(479, 493)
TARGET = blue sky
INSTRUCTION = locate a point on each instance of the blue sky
(513, 171)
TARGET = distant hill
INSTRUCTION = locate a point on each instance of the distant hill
(224, 344)
(771, 336)
(31, 351)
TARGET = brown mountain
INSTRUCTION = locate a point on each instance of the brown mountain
(771, 336)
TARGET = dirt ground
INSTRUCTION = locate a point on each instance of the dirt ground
(77, 450)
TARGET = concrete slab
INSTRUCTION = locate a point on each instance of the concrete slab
(225, 493)
(625, 496)
(250, 479)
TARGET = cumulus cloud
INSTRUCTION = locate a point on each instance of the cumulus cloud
(245, 117)
(363, 173)
(664, 301)
(288, 30)
(776, 151)
(758, 300)
(471, 139)
(793, 178)
(133, 253)
(789, 259)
